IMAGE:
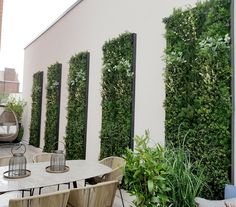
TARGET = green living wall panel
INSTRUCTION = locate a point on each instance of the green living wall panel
(198, 93)
(52, 107)
(118, 78)
(77, 106)
(36, 108)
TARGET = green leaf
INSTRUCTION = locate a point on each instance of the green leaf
(150, 185)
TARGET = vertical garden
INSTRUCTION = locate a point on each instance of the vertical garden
(198, 91)
(53, 107)
(77, 106)
(118, 77)
(36, 96)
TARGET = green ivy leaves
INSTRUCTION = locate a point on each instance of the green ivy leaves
(197, 77)
(36, 109)
(53, 107)
(117, 83)
(77, 106)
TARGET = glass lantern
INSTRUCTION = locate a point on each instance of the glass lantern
(58, 161)
(17, 164)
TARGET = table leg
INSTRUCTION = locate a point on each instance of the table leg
(74, 184)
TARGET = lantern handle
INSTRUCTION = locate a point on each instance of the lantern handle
(18, 146)
(63, 145)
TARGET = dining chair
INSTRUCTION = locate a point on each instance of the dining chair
(56, 199)
(4, 161)
(117, 164)
(100, 195)
(45, 157)
(42, 157)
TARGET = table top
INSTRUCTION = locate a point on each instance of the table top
(79, 170)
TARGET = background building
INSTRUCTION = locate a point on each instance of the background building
(9, 82)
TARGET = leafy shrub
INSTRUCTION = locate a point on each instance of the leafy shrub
(53, 107)
(36, 96)
(185, 179)
(160, 176)
(16, 105)
(77, 107)
(3, 98)
(198, 94)
(117, 93)
(146, 173)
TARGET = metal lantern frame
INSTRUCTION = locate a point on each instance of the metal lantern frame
(58, 161)
(17, 163)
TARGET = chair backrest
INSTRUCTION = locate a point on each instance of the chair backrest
(43, 157)
(9, 125)
(117, 164)
(4, 161)
(8, 116)
(100, 195)
(57, 199)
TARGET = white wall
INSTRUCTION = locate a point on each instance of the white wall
(86, 28)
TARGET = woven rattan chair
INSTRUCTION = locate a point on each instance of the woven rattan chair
(57, 199)
(8, 121)
(117, 165)
(4, 161)
(45, 157)
(100, 195)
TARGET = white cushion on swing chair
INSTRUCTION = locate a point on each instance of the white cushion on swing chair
(3, 130)
(12, 130)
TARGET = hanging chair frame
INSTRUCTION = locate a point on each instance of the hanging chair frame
(8, 137)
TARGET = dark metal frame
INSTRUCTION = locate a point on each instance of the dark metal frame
(87, 100)
(232, 90)
(59, 103)
(40, 100)
(134, 42)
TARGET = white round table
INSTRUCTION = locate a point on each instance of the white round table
(79, 170)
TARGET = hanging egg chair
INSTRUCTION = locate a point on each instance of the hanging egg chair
(9, 126)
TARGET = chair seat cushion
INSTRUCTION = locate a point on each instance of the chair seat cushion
(230, 191)
(215, 203)
(5, 197)
(3, 130)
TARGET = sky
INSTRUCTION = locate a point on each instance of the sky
(23, 21)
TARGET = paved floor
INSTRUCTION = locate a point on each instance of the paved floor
(5, 150)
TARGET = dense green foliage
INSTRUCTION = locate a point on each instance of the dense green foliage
(198, 96)
(185, 178)
(160, 176)
(36, 96)
(77, 107)
(53, 107)
(117, 93)
(3, 98)
(16, 105)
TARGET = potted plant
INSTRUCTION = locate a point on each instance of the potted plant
(162, 176)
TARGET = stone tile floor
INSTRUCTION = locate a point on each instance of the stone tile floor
(5, 150)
